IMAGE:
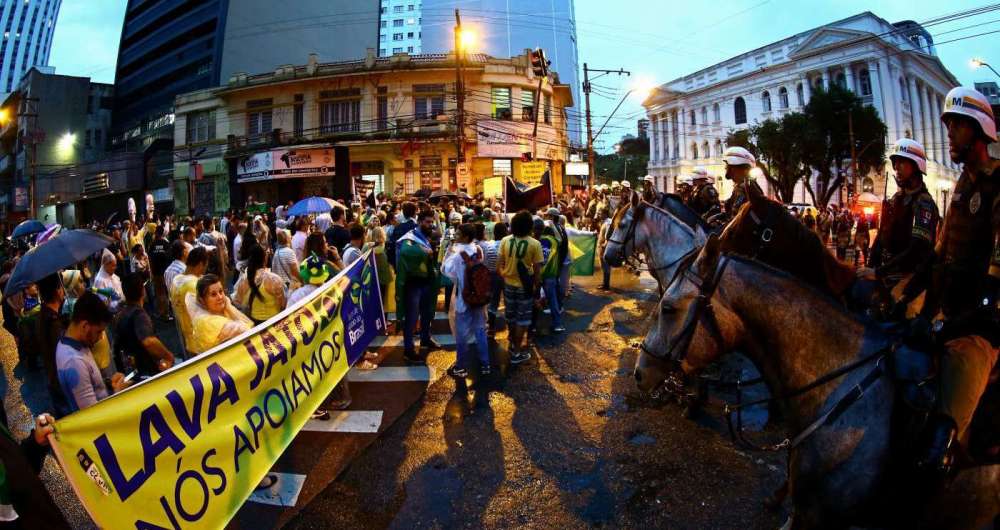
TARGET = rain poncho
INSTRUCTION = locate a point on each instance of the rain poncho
(210, 329)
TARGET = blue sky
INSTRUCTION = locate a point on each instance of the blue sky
(655, 39)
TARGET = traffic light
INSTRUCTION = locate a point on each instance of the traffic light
(539, 64)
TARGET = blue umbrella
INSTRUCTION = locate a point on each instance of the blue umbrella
(62, 251)
(26, 228)
(313, 205)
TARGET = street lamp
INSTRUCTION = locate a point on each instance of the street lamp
(66, 143)
(976, 63)
(466, 39)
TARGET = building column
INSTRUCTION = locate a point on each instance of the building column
(876, 82)
(930, 131)
(916, 115)
(682, 138)
(942, 143)
(825, 74)
(897, 96)
(849, 77)
(806, 90)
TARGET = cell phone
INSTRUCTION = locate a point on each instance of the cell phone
(129, 377)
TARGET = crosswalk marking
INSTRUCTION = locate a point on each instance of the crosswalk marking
(350, 421)
(393, 374)
(440, 315)
(396, 341)
(284, 492)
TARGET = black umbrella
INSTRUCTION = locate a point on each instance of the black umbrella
(62, 251)
(421, 193)
(26, 228)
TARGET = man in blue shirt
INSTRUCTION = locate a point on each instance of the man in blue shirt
(79, 376)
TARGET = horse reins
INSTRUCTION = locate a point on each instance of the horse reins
(630, 236)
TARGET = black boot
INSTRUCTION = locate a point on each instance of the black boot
(936, 451)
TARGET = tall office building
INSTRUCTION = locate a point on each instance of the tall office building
(27, 37)
(504, 28)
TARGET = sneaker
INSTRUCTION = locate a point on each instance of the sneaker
(559, 329)
(320, 414)
(484, 370)
(519, 357)
(458, 372)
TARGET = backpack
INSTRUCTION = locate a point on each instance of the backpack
(478, 287)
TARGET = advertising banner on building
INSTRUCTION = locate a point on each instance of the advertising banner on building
(186, 448)
(502, 139)
(285, 163)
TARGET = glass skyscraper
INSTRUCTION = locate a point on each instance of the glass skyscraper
(28, 26)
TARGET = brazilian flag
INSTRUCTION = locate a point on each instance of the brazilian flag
(582, 250)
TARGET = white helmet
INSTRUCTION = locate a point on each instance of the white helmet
(648, 178)
(964, 101)
(626, 184)
(700, 173)
(615, 184)
(738, 156)
(912, 150)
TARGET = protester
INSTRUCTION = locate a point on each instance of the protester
(49, 329)
(184, 284)
(214, 319)
(108, 282)
(264, 296)
(353, 249)
(470, 321)
(491, 257)
(136, 346)
(337, 235)
(28, 504)
(284, 263)
(299, 238)
(159, 260)
(520, 265)
(550, 271)
(417, 286)
(179, 252)
(79, 376)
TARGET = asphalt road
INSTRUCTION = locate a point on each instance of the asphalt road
(562, 441)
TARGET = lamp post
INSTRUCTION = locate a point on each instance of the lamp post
(976, 63)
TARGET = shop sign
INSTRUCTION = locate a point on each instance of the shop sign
(285, 163)
(500, 139)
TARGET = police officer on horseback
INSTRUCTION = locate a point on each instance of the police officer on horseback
(649, 193)
(908, 229)
(704, 198)
(966, 276)
(683, 188)
(739, 162)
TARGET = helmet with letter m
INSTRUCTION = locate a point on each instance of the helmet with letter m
(911, 150)
(971, 104)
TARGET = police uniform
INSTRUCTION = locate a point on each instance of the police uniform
(739, 196)
(705, 200)
(967, 272)
(906, 236)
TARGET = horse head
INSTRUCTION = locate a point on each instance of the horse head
(687, 335)
(624, 240)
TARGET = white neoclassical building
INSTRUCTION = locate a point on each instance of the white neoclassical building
(893, 67)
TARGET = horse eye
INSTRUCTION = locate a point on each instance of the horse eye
(667, 309)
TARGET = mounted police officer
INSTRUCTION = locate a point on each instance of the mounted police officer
(908, 230)
(704, 198)
(683, 188)
(739, 162)
(966, 277)
(649, 193)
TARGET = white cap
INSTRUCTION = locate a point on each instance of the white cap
(964, 101)
(738, 156)
(910, 149)
(648, 178)
(626, 184)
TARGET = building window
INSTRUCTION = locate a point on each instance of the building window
(409, 49)
(704, 150)
(409, 35)
(200, 127)
(547, 108)
(866, 83)
(704, 115)
(86, 139)
(258, 119)
(783, 97)
(740, 110)
(397, 50)
(800, 95)
(694, 151)
(398, 23)
(298, 115)
(397, 9)
(409, 7)
(691, 115)
(381, 52)
(381, 38)
(527, 105)
(430, 172)
(765, 101)
(428, 101)
(902, 89)
(500, 99)
(382, 110)
(716, 113)
(718, 148)
(383, 24)
(340, 110)
(397, 36)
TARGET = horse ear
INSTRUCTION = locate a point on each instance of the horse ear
(709, 255)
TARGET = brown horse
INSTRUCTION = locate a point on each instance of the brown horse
(841, 461)
(764, 230)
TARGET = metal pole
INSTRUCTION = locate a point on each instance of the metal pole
(591, 171)
(460, 99)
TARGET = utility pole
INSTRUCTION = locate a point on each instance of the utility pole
(590, 135)
(460, 100)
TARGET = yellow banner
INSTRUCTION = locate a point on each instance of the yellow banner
(186, 448)
(530, 173)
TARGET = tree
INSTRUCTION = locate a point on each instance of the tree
(779, 147)
(826, 145)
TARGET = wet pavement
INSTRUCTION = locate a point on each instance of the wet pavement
(564, 440)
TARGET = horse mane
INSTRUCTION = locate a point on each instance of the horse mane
(839, 276)
(674, 204)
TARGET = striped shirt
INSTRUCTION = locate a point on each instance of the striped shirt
(491, 253)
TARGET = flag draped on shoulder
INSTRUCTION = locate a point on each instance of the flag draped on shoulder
(582, 250)
(523, 198)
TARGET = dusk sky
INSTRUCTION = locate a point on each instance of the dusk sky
(656, 40)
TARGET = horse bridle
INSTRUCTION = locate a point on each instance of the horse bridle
(630, 237)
